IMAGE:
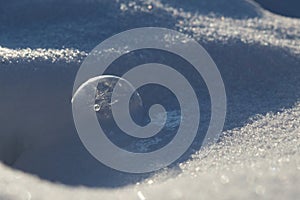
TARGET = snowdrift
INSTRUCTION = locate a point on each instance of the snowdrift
(42, 46)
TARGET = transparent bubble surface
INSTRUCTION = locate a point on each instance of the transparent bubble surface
(103, 98)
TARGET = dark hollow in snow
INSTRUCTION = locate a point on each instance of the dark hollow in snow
(37, 119)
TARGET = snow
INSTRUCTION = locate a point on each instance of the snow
(258, 160)
(257, 54)
(288, 8)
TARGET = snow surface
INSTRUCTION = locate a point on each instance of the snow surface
(257, 54)
(289, 8)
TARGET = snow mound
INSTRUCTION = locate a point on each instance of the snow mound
(259, 160)
(289, 8)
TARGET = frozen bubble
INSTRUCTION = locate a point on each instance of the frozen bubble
(103, 98)
(96, 93)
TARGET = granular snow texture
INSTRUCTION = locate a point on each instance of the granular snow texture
(257, 53)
